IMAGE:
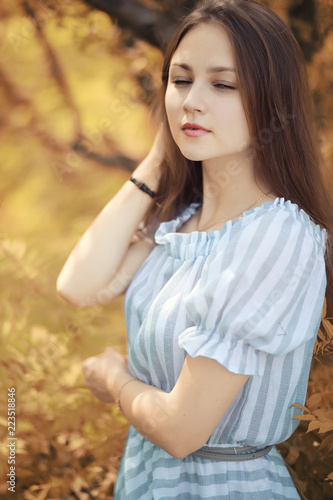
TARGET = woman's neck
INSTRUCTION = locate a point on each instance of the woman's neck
(229, 187)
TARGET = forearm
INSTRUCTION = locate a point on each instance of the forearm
(179, 422)
(151, 412)
(176, 421)
(97, 256)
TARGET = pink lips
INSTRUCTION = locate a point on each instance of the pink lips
(194, 130)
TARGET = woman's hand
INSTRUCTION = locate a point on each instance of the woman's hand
(149, 169)
(157, 150)
(101, 373)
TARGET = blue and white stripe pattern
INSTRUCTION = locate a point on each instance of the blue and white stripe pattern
(250, 296)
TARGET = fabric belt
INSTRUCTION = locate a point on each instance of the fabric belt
(231, 454)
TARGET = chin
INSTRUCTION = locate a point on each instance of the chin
(190, 155)
(193, 158)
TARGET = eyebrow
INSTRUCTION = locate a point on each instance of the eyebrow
(212, 69)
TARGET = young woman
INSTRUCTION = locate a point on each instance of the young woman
(220, 241)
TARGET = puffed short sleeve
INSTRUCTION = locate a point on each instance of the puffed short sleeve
(261, 293)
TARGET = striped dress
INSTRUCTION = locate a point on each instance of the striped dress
(249, 295)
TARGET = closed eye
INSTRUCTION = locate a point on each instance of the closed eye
(223, 86)
(181, 82)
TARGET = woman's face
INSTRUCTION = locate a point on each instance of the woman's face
(202, 92)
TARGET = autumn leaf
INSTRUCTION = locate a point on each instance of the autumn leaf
(313, 425)
(299, 406)
(314, 400)
(304, 417)
(326, 427)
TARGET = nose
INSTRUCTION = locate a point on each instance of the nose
(194, 99)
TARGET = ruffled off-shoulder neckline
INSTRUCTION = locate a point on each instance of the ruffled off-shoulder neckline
(191, 245)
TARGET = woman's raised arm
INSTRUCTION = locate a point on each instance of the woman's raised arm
(104, 261)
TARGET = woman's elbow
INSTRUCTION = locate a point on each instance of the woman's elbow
(185, 449)
(67, 298)
(177, 454)
(174, 449)
(181, 450)
(69, 295)
(183, 444)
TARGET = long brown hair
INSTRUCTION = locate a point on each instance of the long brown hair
(277, 101)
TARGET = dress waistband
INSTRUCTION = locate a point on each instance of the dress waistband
(231, 454)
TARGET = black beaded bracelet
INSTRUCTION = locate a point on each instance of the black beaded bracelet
(143, 187)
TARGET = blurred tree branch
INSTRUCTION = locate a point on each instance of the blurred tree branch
(56, 71)
(117, 159)
(311, 21)
(153, 25)
(153, 22)
(14, 96)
